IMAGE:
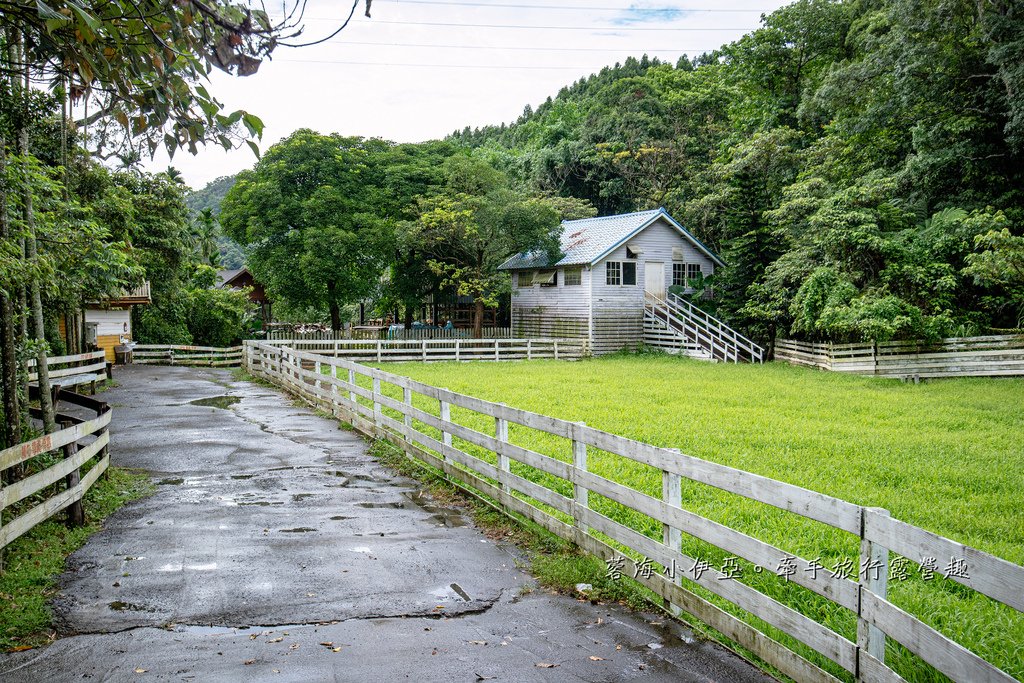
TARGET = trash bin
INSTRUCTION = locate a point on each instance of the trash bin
(123, 354)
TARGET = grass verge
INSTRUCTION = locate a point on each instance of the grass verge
(943, 455)
(32, 563)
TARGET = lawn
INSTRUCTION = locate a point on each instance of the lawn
(944, 455)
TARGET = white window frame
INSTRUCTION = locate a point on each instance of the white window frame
(613, 276)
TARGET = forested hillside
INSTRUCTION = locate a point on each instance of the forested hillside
(210, 197)
(858, 164)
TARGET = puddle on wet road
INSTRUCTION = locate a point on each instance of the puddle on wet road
(453, 592)
(224, 402)
(119, 606)
(176, 481)
(297, 530)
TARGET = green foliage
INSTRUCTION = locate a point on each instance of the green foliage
(216, 317)
(308, 217)
(874, 141)
(477, 223)
(210, 197)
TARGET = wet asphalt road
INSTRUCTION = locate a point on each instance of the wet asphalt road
(276, 549)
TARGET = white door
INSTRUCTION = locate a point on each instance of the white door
(654, 278)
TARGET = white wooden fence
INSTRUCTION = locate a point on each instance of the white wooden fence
(518, 480)
(992, 356)
(74, 370)
(81, 442)
(173, 354)
(426, 350)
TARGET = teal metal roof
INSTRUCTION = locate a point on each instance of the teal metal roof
(588, 240)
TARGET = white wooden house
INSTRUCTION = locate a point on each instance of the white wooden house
(597, 289)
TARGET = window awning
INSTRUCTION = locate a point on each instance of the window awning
(544, 277)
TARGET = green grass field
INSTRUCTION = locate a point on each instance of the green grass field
(945, 455)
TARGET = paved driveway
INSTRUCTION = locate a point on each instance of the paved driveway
(276, 548)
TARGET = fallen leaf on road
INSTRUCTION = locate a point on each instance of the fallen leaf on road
(618, 647)
(545, 665)
(249, 661)
(140, 671)
(20, 648)
(480, 677)
(293, 646)
(327, 643)
(276, 640)
(478, 642)
(336, 649)
(594, 658)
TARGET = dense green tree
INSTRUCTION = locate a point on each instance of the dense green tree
(306, 215)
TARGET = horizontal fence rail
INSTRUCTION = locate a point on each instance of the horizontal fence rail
(991, 356)
(395, 350)
(369, 398)
(171, 354)
(391, 333)
(33, 493)
(74, 370)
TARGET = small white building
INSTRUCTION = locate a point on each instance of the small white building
(596, 290)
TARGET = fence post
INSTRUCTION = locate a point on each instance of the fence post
(501, 434)
(335, 405)
(317, 369)
(672, 494)
(376, 406)
(497, 353)
(76, 513)
(424, 350)
(407, 399)
(352, 394)
(457, 346)
(446, 415)
(580, 493)
(874, 569)
(378, 350)
(529, 349)
(556, 349)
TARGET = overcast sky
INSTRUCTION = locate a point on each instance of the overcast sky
(419, 69)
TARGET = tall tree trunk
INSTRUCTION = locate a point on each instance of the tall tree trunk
(478, 319)
(332, 304)
(36, 301)
(10, 433)
(409, 312)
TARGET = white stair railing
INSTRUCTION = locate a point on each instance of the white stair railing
(720, 340)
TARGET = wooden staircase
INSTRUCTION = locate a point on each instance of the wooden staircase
(677, 325)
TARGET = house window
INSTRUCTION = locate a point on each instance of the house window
(524, 278)
(620, 273)
(546, 278)
(628, 273)
(692, 271)
(573, 276)
(613, 273)
(678, 274)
